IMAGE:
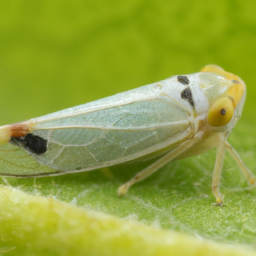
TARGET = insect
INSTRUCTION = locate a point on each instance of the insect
(175, 118)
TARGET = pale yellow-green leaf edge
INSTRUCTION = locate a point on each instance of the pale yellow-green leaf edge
(34, 225)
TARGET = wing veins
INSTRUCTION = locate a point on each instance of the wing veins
(177, 103)
(57, 156)
(128, 128)
(95, 109)
(118, 104)
(12, 163)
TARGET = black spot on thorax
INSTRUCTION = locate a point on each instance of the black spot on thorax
(30, 142)
(183, 79)
(186, 94)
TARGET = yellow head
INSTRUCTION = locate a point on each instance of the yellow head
(226, 94)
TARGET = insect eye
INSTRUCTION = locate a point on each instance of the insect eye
(221, 112)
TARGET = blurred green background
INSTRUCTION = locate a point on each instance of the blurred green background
(58, 54)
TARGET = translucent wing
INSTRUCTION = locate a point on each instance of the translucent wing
(113, 130)
(15, 161)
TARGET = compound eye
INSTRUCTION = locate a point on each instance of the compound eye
(221, 112)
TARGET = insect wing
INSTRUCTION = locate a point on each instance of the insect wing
(15, 161)
(114, 130)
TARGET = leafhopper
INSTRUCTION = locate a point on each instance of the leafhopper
(175, 118)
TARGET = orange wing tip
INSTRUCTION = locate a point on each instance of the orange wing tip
(20, 129)
(237, 88)
(14, 130)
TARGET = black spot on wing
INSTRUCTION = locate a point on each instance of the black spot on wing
(183, 79)
(30, 142)
(186, 94)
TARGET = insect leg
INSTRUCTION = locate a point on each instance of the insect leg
(248, 175)
(216, 173)
(159, 163)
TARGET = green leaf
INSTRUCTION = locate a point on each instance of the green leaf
(42, 226)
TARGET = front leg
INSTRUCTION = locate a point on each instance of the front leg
(248, 175)
(217, 172)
